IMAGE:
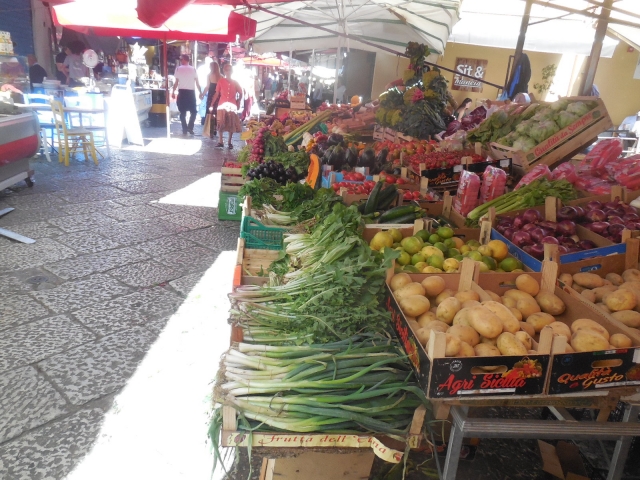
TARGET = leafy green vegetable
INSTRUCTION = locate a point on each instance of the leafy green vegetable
(578, 108)
(543, 130)
(299, 160)
(564, 119)
(261, 190)
(524, 143)
(293, 194)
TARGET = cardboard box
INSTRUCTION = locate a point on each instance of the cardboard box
(378, 132)
(298, 102)
(390, 134)
(562, 461)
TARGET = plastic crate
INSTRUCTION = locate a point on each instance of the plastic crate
(257, 236)
(229, 206)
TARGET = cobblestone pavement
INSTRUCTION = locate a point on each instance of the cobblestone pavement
(112, 323)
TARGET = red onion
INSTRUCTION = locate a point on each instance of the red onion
(521, 238)
(580, 211)
(630, 217)
(537, 234)
(566, 228)
(612, 204)
(537, 251)
(575, 238)
(586, 244)
(527, 249)
(531, 215)
(552, 240)
(615, 229)
(501, 228)
(567, 213)
(593, 205)
(629, 209)
(615, 219)
(631, 225)
(617, 238)
(529, 227)
(517, 222)
(567, 241)
(562, 249)
(548, 224)
(508, 233)
(504, 221)
(599, 227)
(595, 216)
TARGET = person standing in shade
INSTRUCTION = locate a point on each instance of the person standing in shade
(74, 68)
(60, 57)
(317, 95)
(461, 111)
(228, 96)
(37, 74)
(186, 83)
(212, 108)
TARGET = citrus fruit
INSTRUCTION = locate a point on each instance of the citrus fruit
(475, 255)
(396, 234)
(473, 243)
(453, 252)
(459, 258)
(411, 245)
(423, 234)
(404, 258)
(410, 269)
(450, 243)
(421, 265)
(381, 239)
(509, 264)
(499, 249)
(417, 258)
(450, 265)
(441, 246)
(434, 239)
(428, 251)
(458, 241)
(464, 249)
(435, 261)
(485, 251)
(445, 232)
(432, 270)
(489, 262)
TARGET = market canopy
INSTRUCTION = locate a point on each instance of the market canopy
(626, 33)
(388, 23)
(496, 23)
(213, 23)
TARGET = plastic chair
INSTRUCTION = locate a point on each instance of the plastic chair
(45, 119)
(70, 139)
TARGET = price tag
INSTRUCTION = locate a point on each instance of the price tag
(457, 168)
(504, 163)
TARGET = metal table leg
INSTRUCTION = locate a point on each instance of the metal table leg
(453, 451)
(621, 451)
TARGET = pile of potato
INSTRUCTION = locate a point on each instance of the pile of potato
(617, 295)
(503, 325)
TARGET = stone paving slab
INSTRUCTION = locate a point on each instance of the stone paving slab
(92, 194)
(136, 212)
(36, 230)
(51, 452)
(18, 256)
(95, 263)
(75, 294)
(78, 223)
(145, 274)
(185, 284)
(188, 221)
(164, 245)
(35, 341)
(18, 309)
(141, 231)
(21, 216)
(215, 238)
(139, 199)
(189, 259)
(27, 400)
(139, 308)
(99, 368)
(28, 280)
(139, 186)
(87, 242)
(35, 201)
(88, 208)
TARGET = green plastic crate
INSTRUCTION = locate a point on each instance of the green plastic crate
(229, 207)
(256, 235)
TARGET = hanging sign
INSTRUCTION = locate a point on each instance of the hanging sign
(469, 66)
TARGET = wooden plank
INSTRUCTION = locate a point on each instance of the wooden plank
(549, 276)
(240, 251)
(418, 420)
(631, 255)
(440, 409)
(467, 269)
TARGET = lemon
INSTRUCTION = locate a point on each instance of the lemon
(450, 265)
(432, 270)
(396, 234)
(421, 265)
(499, 249)
(404, 258)
(411, 244)
(428, 251)
(485, 250)
(484, 267)
(410, 269)
(464, 249)
(473, 243)
(380, 240)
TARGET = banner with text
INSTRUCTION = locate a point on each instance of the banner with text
(469, 66)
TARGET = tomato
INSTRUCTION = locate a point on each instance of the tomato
(359, 177)
(407, 196)
(335, 187)
(401, 181)
(416, 194)
(361, 190)
(390, 179)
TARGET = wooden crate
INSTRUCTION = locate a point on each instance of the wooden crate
(252, 265)
(231, 180)
(563, 144)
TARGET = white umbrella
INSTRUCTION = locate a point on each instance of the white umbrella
(388, 23)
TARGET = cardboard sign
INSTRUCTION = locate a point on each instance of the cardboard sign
(469, 66)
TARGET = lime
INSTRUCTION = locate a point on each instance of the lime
(509, 264)
(445, 232)
(396, 244)
(396, 234)
(441, 246)
(475, 255)
(423, 234)
(464, 249)
(417, 258)
(489, 262)
(411, 244)
(459, 258)
(434, 239)
(450, 243)
(410, 269)
(435, 261)
(484, 267)
(473, 243)
(453, 252)
(404, 258)
(398, 269)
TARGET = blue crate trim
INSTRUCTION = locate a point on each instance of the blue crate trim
(536, 265)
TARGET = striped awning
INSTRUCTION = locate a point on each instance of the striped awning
(388, 23)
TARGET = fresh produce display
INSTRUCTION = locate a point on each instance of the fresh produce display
(273, 170)
(506, 325)
(300, 206)
(531, 232)
(494, 183)
(471, 121)
(616, 295)
(441, 251)
(434, 160)
(524, 127)
(530, 195)
(608, 219)
(294, 137)
(467, 194)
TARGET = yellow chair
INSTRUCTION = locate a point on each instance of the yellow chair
(70, 139)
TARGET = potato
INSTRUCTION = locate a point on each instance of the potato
(629, 317)
(468, 295)
(578, 288)
(425, 318)
(620, 300)
(631, 275)
(453, 346)
(413, 288)
(465, 333)
(415, 326)
(494, 296)
(526, 283)
(433, 286)
(423, 336)
(509, 302)
(588, 280)
(486, 350)
(525, 339)
(566, 278)
(466, 350)
(433, 308)
(519, 295)
(607, 283)
(569, 349)
(399, 280)
(448, 309)
(437, 325)
(527, 308)
(589, 295)
(462, 317)
(446, 293)
(560, 328)
(600, 292)
(485, 322)
(603, 307)
(539, 320)
(588, 341)
(588, 324)
(620, 340)
(550, 303)
(489, 341)
(414, 305)
(516, 313)
(527, 327)
(508, 344)
(470, 303)
(509, 322)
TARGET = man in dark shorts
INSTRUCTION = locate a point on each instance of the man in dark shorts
(186, 80)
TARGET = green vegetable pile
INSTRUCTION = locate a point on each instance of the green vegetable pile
(528, 196)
